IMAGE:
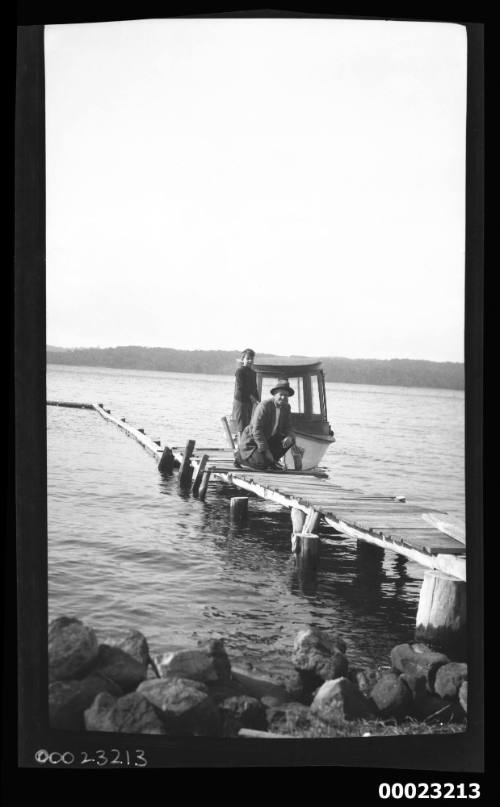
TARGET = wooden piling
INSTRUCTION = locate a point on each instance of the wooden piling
(204, 483)
(166, 463)
(441, 615)
(298, 518)
(309, 547)
(306, 546)
(185, 471)
(198, 477)
(312, 520)
(239, 508)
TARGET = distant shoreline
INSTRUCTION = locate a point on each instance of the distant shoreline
(380, 372)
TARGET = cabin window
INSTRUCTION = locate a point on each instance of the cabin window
(296, 401)
(316, 395)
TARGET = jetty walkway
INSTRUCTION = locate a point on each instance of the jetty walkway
(385, 521)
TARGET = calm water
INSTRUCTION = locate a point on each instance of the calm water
(126, 549)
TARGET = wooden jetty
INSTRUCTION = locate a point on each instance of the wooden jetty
(385, 521)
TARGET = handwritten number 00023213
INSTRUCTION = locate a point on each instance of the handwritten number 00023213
(135, 758)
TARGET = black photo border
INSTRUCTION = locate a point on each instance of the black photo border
(458, 753)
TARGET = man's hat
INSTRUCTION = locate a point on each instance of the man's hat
(283, 386)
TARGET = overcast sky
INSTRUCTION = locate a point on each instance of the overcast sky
(297, 186)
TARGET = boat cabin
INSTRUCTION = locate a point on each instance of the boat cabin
(306, 377)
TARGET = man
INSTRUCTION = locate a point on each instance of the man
(269, 435)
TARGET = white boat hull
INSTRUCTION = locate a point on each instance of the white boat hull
(314, 448)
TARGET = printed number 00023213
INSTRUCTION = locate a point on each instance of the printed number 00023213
(432, 790)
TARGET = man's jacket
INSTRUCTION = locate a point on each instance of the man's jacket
(260, 429)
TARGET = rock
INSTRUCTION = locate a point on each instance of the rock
(462, 696)
(195, 665)
(418, 660)
(296, 685)
(158, 685)
(132, 714)
(242, 712)
(120, 667)
(220, 692)
(289, 717)
(72, 648)
(392, 696)
(339, 700)
(416, 684)
(183, 705)
(69, 699)
(310, 684)
(319, 653)
(364, 680)
(433, 709)
(215, 648)
(269, 702)
(449, 679)
(136, 645)
(259, 686)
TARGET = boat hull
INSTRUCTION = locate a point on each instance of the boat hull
(314, 447)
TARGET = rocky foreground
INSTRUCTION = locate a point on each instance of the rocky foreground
(117, 687)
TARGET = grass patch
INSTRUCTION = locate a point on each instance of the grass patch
(377, 728)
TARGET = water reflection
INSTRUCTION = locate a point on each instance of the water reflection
(401, 576)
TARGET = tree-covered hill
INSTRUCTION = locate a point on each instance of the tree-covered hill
(395, 372)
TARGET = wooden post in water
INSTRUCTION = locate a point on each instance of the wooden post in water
(298, 518)
(166, 463)
(185, 471)
(441, 615)
(204, 482)
(239, 508)
(198, 477)
(312, 520)
(307, 548)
